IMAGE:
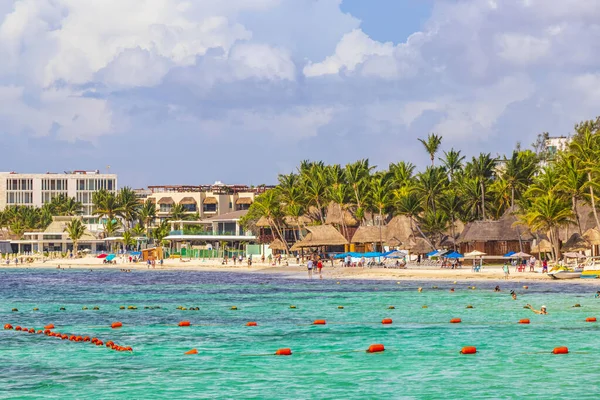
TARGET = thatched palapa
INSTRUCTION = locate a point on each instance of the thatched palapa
(592, 236)
(421, 246)
(370, 234)
(334, 216)
(542, 246)
(277, 244)
(321, 235)
(400, 228)
(576, 243)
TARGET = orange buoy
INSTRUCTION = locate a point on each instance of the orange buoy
(49, 326)
(17, 328)
(109, 343)
(468, 350)
(524, 321)
(284, 352)
(72, 338)
(184, 323)
(79, 339)
(560, 350)
(386, 321)
(8, 326)
(31, 330)
(192, 351)
(94, 340)
(129, 348)
(376, 348)
(319, 322)
(590, 319)
(251, 323)
(116, 325)
(47, 332)
(40, 332)
(99, 343)
(455, 321)
(86, 338)
(64, 336)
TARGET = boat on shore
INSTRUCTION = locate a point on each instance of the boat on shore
(566, 274)
(591, 268)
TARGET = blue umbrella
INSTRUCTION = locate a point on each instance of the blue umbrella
(454, 254)
(341, 255)
(510, 253)
(136, 253)
(110, 257)
(432, 253)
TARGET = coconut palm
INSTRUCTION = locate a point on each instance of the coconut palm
(572, 183)
(292, 197)
(75, 230)
(518, 172)
(430, 185)
(381, 197)
(178, 213)
(128, 240)
(357, 177)
(106, 204)
(434, 223)
(147, 214)
(585, 148)
(482, 169)
(129, 204)
(432, 145)
(452, 204)
(548, 213)
(453, 161)
(314, 180)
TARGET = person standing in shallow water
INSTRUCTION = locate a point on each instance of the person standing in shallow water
(506, 271)
(309, 265)
(320, 268)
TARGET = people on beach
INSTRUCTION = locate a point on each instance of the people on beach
(309, 266)
(506, 271)
(544, 266)
(542, 310)
(320, 268)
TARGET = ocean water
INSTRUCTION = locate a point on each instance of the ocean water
(421, 359)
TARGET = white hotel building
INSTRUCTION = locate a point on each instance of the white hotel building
(38, 189)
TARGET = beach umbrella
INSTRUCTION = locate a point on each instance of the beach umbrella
(454, 254)
(395, 254)
(475, 253)
(110, 257)
(521, 255)
(509, 254)
(432, 253)
(341, 255)
(573, 255)
(136, 253)
(102, 255)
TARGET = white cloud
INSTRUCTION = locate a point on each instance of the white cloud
(522, 49)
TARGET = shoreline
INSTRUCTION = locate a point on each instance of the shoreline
(294, 271)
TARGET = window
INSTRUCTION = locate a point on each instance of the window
(209, 207)
(166, 208)
(242, 207)
(190, 207)
(230, 205)
(111, 184)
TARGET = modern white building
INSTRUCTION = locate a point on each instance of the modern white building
(35, 190)
(554, 144)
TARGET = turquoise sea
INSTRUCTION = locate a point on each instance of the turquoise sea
(329, 361)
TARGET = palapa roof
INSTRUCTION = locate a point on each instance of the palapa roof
(576, 243)
(592, 236)
(321, 235)
(277, 244)
(166, 200)
(244, 200)
(188, 200)
(369, 234)
(7, 235)
(421, 246)
(334, 216)
(210, 200)
(393, 242)
(503, 229)
(59, 225)
(400, 228)
(542, 246)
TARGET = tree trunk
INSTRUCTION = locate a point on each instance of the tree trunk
(574, 202)
(275, 228)
(453, 233)
(482, 200)
(593, 201)
(344, 229)
(424, 237)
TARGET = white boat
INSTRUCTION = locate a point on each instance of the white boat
(565, 274)
(591, 268)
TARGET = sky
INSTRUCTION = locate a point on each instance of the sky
(195, 91)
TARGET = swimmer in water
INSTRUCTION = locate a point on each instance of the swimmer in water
(421, 289)
(597, 294)
(451, 290)
(497, 289)
(513, 294)
(540, 311)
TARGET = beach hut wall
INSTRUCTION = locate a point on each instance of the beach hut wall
(576, 243)
(187, 201)
(369, 234)
(166, 200)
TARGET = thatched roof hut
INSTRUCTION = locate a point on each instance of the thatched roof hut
(321, 235)
(277, 244)
(421, 246)
(576, 243)
(592, 236)
(369, 234)
(334, 216)
(542, 246)
(400, 228)
(393, 242)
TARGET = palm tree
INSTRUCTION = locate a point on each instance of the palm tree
(548, 213)
(482, 168)
(430, 184)
(106, 204)
(292, 197)
(268, 205)
(380, 195)
(585, 148)
(129, 205)
(111, 227)
(411, 207)
(128, 240)
(434, 223)
(161, 232)
(339, 193)
(147, 214)
(572, 183)
(453, 161)
(432, 145)
(451, 203)
(357, 177)
(178, 213)
(315, 186)
(75, 230)
(518, 172)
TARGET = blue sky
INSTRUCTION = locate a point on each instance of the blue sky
(190, 92)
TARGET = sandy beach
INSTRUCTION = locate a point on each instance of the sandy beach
(295, 271)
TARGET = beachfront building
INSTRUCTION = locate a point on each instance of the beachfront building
(495, 238)
(203, 201)
(35, 190)
(55, 239)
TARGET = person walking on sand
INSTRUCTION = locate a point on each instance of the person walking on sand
(309, 265)
(506, 271)
(320, 268)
